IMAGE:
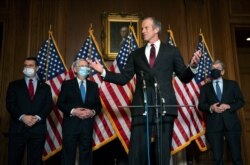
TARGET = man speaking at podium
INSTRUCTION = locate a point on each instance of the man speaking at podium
(153, 63)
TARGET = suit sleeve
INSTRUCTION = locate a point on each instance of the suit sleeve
(183, 72)
(48, 103)
(126, 74)
(62, 101)
(238, 101)
(98, 105)
(11, 102)
(203, 102)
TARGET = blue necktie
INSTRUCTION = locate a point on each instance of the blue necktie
(83, 92)
(218, 90)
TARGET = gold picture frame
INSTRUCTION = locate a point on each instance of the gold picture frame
(113, 25)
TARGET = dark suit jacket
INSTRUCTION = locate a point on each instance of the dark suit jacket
(168, 61)
(231, 95)
(70, 97)
(18, 102)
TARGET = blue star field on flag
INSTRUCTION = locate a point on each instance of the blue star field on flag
(50, 64)
(127, 47)
(170, 39)
(89, 50)
(204, 63)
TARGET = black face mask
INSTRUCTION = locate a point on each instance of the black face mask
(215, 73)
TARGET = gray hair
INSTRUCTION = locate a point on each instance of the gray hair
(76, 62)
(156, 23)
(223, 66)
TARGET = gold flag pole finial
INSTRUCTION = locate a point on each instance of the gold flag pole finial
(50, 28)
(91, 27)
(169, 28)
(200, 31)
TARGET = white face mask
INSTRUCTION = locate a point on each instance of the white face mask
(29, 72)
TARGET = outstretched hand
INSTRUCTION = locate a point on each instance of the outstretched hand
(195, 59)
(96, 65)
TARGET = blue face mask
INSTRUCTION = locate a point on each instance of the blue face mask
(84, 71)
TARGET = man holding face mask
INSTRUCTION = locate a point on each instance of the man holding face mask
(29, 102)
(79, 101)
(220, 99)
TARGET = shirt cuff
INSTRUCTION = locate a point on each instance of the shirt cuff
(211, 110)
(71, 112)
(103, 73)
(194, 70)
(94, 112)
(20, 118)
(38, 117)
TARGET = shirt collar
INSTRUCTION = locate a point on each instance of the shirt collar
(28, 78)
(79, 81)
(156, 44)
(219, 80)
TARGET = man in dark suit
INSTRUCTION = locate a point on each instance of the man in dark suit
(220, 99)
(79, 101)
(29, 102)
(153, 63)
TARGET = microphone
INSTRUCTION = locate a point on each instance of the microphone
(144, 92)
(163, 106)
(143, 79)
(144, 86)
(156, 84)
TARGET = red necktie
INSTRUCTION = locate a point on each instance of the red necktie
(31, 89)
(152, 56)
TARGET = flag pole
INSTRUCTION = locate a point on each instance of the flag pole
(47, 55)
(90, 45)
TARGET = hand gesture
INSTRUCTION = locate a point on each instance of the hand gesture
(96, 65)
(195, 59)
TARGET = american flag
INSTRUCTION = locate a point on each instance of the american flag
(103, 130)
(52, 70)
(114, 96)
(189, 124)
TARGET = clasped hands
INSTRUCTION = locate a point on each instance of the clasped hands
(82, 113)
(29, 120)
(219, 108)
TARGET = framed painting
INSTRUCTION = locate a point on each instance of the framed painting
(116, 29)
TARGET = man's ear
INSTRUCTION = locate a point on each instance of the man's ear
(74, 69)
(222, 72)
(156, 30)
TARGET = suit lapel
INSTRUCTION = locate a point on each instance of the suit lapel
(158, 57)
(76, 88)
(212, 90)
(25, 88)
(225, 87)
(38, 86)
(144, 58)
